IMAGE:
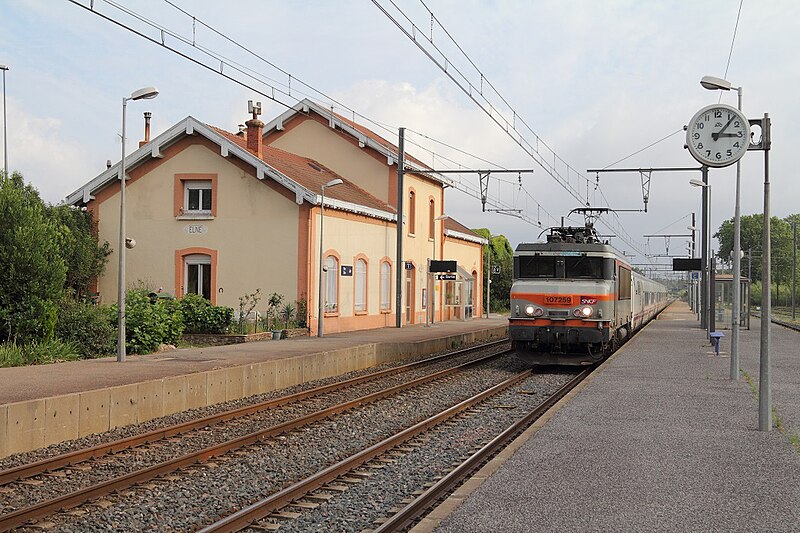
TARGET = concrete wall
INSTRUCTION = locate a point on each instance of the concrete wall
(33, 424)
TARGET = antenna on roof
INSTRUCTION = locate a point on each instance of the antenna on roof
(255, 109)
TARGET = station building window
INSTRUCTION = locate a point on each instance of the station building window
(331, 284)
(412, 213)
(361, 286)
(386, 286)
(196, 272)
(195, 195)
(431, 219)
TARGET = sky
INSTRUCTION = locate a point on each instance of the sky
(595, 81)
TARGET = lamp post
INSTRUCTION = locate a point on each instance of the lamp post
(320, 310)
(431, 291)
(717, 84)
(705, 317)
(145, 93)
(4, 68)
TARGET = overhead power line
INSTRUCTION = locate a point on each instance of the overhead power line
(285, 93)
(481, 91)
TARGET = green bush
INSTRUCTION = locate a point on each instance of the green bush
(199, 316)
(37, 353)
(149, 324)
(87, 326)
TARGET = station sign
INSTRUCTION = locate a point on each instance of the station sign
(409, 265)
(347, 270)
(684, 264)
(446, 277)
(495, 269)
(444, 266)
(695, 276)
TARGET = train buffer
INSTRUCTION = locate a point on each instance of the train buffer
(715, 337)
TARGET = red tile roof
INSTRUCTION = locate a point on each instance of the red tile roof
(454, 225)
(312, 175)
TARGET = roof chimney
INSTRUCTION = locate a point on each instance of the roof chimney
(255, 130)
(147, 115)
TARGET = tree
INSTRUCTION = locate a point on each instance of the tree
(84, 256)
(502, 255)
(32, 266)
(751, 233)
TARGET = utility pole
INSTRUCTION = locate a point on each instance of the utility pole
(400, 266)
(794, 267)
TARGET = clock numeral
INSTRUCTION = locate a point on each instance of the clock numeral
(719, 155)
(695, 136)
(730, 153)
(736, 124)
(717, 114)
(708, 153)
(699, 146)
(740, 133)
(699, 125)
(736, 144)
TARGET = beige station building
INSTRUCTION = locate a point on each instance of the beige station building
(222, 214)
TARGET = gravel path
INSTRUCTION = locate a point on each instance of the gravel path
(200, 494)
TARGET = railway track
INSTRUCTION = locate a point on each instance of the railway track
(318, 493)
(97, 458)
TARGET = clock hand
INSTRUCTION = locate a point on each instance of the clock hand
(727, 135)
(716, 135)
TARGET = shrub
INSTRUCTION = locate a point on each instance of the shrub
(149, 324)
(86, 326)
(199, 316)
(302, 312)
(37, 353)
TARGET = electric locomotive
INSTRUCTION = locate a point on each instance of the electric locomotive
(575, 298)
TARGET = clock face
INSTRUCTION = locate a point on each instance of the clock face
(718, 135)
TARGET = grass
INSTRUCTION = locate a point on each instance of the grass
(37, 353)
(794, 438)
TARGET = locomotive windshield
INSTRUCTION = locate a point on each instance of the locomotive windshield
(569, 267)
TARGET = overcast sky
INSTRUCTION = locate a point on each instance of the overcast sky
(597, 81)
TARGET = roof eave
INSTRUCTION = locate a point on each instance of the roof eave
(465, 236)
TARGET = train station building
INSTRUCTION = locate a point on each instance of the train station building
(222, 214)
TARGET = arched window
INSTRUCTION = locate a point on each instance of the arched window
(386, 286)
(361, 285)
(431, 219)
(197, 275)
(412, 213)
(331, 284)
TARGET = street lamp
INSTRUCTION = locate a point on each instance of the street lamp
(718, 84)
(320, 309)
(706, 253)
(4, 68)
(145, 93)
(431, 291)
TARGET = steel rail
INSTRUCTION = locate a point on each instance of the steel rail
(424, 501)
(263, 508)
(70, 458)
(21, 516)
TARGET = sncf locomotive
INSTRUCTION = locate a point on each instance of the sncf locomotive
(575, 299)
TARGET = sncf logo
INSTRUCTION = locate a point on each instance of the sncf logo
(586, 300)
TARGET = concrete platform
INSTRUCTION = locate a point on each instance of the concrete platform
(659, 440)
(42, 405)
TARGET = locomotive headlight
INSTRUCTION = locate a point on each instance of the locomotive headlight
(529, 310)
(583, 312)
(538, 312)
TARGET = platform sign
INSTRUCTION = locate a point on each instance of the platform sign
(446, 277)
(695, 276)
(495, 269)
(347, 270)
(409, 265)
(683, 264)
(444, 266)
